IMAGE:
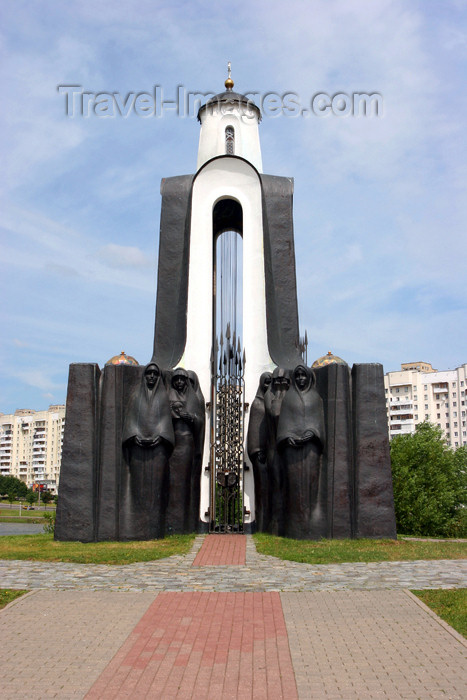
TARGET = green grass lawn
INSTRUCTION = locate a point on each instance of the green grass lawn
(12, 515)
(33, 518)
(7, 595)
(450, 605)
(45, 548)
(340, 551)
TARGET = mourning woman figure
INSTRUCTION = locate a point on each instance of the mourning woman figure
(257, 444)
(148, 440)
(188, 426)
(273, 399)
(300, 441)
(199, 410)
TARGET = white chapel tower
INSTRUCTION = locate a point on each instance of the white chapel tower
(226, 259)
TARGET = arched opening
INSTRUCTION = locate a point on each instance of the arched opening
(228, 268)
(227, 385)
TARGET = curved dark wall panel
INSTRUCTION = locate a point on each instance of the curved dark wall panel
(279, 269)
(172, 275)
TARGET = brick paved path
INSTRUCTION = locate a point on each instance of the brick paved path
(221, 550)
(204, 645)
(350, 642)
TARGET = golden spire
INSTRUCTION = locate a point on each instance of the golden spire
(229, 83)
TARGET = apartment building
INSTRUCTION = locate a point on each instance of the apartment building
(31, 446)
(418, 393)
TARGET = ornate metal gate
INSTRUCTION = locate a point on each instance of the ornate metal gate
(227, 427)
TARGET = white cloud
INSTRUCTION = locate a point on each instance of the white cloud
(119, 256)
(39, 379)
(39, 242)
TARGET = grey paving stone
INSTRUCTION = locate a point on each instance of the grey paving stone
(261, 573)
(369, 644)
(56, 643)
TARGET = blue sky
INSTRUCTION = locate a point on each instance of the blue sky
(380, 203)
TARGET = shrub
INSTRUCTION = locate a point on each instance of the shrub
(430, 480)
(49, 525)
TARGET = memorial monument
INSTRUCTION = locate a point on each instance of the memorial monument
(226, 429)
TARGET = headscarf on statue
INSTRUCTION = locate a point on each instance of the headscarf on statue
(188, 401)
(148, 418)
(302, 415)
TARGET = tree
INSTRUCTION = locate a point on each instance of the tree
(10, 484)
(430, 484)
(31, 497)
(46, 497)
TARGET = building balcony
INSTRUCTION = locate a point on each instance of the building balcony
(400, 429)
(407, 406)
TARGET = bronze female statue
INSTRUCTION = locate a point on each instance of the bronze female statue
(257, 445)
(300, 442)
(148, 440)
(188, 424)
(200, 411)
(273, 399)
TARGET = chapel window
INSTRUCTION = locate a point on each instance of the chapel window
(230, 141)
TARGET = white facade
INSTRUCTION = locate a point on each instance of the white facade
(240, 117)
(31, 445)
(414, 396)
(234, 179)
(228, 128)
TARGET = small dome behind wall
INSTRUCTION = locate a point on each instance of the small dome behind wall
(122, 359)
(328, 359)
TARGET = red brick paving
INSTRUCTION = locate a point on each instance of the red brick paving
(222, 550)
(204, 645)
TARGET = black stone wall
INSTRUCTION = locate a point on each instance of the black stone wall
(77, 503)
